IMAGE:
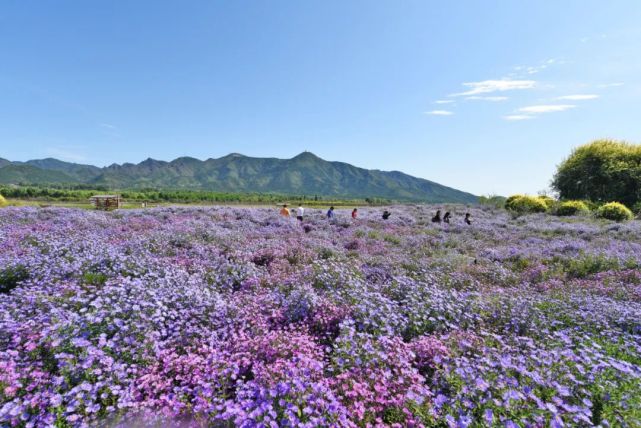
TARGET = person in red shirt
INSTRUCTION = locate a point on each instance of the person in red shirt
(355, 213)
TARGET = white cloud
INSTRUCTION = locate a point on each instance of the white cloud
(476, 97)
(443, 101)
(525, 70)
(489, 86)
(548, 108)
(439, 113)
(107, 125)
(514, 117)
(578, 97)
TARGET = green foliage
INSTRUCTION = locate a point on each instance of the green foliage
(11, 276)
(614, 211)
(589, 264)
(392, 239)
(568, 208)
(601, 171)
(524, 204)
(509, 201)
(81, 193)
(492, 201)
(547, 200)
(326, 253)
(94, 278)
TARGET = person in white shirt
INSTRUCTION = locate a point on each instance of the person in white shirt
(300, 211)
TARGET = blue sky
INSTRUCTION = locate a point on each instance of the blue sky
(483, 96)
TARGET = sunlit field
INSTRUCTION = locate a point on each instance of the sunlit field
(240, 317)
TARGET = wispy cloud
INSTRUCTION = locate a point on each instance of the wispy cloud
(443, 101)
(495, 99)
(489, 86)
(439, 113)
(109, 129)
(578, 97)
(547, 108)
(534, 69)
(514, 117)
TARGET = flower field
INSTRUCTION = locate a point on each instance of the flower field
(238, 317)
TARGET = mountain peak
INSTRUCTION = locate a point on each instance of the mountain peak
(148, 161)
(306, 156)
(185, 159)
(234, 156)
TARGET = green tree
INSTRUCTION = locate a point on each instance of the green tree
(601, 171)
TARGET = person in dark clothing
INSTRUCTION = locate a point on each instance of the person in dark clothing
(446, 217)
(386, 214)
(330, 213)
(355, 213)
(437, 217)
(467, 219)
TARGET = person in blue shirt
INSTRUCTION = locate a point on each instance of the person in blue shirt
(330, 213)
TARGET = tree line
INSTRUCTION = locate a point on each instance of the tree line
(79, 193)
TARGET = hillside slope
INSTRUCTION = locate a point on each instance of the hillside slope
(302, 174)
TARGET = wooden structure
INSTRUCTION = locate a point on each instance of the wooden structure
(106, 202)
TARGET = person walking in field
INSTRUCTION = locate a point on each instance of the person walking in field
(284, 211)
(354, 213)
(386, 214)
(467, 219)
(330, 213)
(437, 217)
(300, 211)
(446, 217)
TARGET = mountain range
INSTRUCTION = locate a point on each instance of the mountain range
(303, 174)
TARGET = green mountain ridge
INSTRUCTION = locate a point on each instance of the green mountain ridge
(305, 173)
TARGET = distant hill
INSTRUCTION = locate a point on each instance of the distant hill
(78, 172)
(27, 174)
(303, 174)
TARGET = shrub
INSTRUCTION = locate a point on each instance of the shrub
(572, 208)
(3, 201)
(601, 171)
(523, 204)
(614, 211)
(492, 201)
(510, 200)
(548, 201)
